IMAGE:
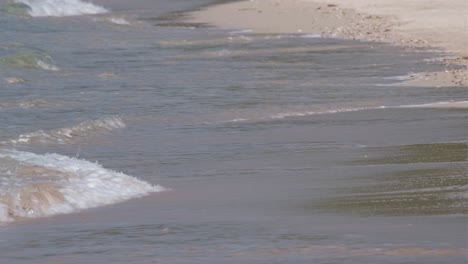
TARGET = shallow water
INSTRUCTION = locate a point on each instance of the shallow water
(270, 148)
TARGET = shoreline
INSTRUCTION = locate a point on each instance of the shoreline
(417, 25)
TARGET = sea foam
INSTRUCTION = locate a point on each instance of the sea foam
(61, 8)
(118, 21)
(34, 185)
(68, 135)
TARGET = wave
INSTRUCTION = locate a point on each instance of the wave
(118, 21)
(72, 134)
(61, 8)
(258, 116)
(25, 104)
(206, 43)
(311, 36)
(14, 80)
(330, 111)
(240, 31)
(29, 59)
(34, 185)
(17, 9)
(223, 52)
(447, 105)
(295, 113)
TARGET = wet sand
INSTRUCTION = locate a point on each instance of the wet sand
(439, 25)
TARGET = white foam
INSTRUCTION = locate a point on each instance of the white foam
(242, 31)
(435, 59)
(239, 120)
(118, 21)
(34, 185)
(283, 115)
(331, 111)
(14, 80)
(46, 66)
(447, 105)
(61, 8)
(311, 36)
(402, 78)
(71, 134)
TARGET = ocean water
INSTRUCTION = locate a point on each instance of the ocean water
(128, 135)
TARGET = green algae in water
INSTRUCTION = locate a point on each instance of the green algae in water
(17, 9)
(28, 60)
(407, 188)
(412, 192)
(418, 153)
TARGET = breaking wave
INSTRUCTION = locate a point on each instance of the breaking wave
(34, 185)
(29, 59)
(118, 21)
(72, 134)
(60, 8)
(17, 9)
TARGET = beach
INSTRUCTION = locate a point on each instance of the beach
(441, 25)
(130, 133)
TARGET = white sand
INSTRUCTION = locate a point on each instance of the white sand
(441, 24)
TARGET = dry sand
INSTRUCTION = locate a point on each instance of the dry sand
(440, 24)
